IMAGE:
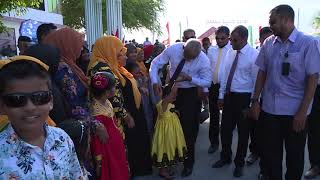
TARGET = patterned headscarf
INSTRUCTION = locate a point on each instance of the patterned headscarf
(69, 42)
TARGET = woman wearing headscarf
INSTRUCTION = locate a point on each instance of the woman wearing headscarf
(106, 53)
(109, 54)
(145, 88)
(70, 79)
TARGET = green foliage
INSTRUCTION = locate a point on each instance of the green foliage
(73, 13)
(136, 14)
(316, 24)
(19, 6)
(142, 14)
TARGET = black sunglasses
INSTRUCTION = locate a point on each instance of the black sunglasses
(16, 100)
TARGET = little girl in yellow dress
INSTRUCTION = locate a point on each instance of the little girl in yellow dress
(168, 144)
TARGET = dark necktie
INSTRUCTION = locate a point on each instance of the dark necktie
(232, 71)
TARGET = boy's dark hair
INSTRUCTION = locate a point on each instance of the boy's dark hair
(24, 39)
(265, 30)
(79, 133)
(98, 91)
(223, 29)
(22, 69)
(44, 29)
(284, 10)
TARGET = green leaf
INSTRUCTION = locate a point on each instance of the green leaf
(136, 14)
(19, 6)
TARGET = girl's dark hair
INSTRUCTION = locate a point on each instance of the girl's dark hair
(22, 69)
(79, 133)
(131, 48)
(106, 82)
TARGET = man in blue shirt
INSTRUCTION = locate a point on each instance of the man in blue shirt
(288, 73)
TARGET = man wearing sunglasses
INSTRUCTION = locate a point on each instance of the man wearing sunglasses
(188, 34)
(216, 56)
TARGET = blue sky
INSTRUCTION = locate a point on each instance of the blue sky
(203, 14)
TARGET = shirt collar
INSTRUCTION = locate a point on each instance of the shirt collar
(227, 46)
(292, 38)
(13, 138)
(244, 50)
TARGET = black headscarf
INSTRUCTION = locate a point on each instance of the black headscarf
(48, 54)
(51, 56)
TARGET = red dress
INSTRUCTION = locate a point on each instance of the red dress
(114, 165)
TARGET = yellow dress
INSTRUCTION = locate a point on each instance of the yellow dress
(168, 144)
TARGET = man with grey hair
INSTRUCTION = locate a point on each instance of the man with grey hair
(234, 96)
(195, 72)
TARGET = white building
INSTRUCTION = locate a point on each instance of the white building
(48, 12)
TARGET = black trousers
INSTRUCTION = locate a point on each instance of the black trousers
(277, 130)
(189, 105)
(314, 131)
(235, 105)
(258, 140)
(253, 146)
(214, 127)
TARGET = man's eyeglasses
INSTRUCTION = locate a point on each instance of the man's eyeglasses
(16, 100)
(187, 38)
(221, 38)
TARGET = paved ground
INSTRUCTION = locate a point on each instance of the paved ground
(203, 170)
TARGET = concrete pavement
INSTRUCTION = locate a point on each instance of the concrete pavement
(202, 169)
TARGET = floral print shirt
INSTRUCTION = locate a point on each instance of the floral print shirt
(20, 160)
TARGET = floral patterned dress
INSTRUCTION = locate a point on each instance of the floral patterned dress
(20, 160)
(73, 90)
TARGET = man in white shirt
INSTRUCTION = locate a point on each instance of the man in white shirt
(196, 72)
(206, 45)
(234, 96)
(146, 42)
(216, 55)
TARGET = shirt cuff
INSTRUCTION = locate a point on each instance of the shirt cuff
(197, 81)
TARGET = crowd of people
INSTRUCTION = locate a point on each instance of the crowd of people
(117, 111)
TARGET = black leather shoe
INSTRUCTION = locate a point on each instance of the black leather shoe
(238, 172)
(186, 172)
(213, 148)
(252, 159)
(221, 163)
(312, 173)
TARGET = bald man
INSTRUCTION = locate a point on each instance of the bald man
(195, 73)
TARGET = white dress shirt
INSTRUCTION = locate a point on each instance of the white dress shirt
(245, 74)
(198, 68)
(213, 57)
